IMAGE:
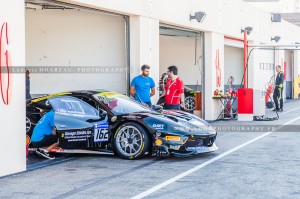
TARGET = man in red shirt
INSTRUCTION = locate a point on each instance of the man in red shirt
(174, 91)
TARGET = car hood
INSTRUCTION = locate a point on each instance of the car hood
(177, 122)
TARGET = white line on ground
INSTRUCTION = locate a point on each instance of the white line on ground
(196, 168)
(290, 111)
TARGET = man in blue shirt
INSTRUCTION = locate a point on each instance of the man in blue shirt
(44, 135)
(141, 86)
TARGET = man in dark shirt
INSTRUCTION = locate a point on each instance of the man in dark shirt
(28, 96)
(278, 89)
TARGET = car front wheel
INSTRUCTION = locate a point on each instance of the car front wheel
(131, 141)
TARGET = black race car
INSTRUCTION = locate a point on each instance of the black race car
(120, 126)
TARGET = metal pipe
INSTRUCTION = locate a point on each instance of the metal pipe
(276, 45)
(203, 75)
(245, 58)
(127, 52)
(232, 38)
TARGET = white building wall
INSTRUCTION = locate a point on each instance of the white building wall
(144, 48)
(226, 17)
(213, 43)
(222, 17)
(12, 116)
(276, 6)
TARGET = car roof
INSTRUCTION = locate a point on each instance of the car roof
(86, 92)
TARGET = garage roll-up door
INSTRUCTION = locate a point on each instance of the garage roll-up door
(88, 46)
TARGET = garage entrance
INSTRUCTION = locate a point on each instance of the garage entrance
(87, 45)
(184, 49)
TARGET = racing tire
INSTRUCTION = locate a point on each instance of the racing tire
(131, 141)
(29, 126)
(190, 103)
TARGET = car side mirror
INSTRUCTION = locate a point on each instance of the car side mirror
(102, 113)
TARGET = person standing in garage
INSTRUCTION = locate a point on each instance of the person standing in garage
(277, 96)
(174, 91)
(143, 87)
(28, 96)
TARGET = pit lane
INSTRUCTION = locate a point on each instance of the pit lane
(266, 168)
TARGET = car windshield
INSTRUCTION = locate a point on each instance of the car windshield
(73, 106)
(120, 104)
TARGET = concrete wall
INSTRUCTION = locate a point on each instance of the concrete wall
(144, 48)
(276, 6)
(214, 45)
(72, 38)
(180, 51)
(12, 115)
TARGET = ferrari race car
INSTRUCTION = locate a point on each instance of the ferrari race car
(103, 122)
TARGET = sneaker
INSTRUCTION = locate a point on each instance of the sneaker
(275, 109)
(281, 110)
(44, 154)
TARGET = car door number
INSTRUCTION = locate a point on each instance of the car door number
(101, 132)
(101, 135)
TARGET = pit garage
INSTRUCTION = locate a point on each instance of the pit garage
(71, 47)
(289, 73)
(184, 49)
(233, 64)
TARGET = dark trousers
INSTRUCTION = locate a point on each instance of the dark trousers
(170, 106)
(277, 95)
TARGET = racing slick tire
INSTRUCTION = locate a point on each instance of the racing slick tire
(29, 126)
(131, 141)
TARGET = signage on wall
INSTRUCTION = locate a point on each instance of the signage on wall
(266, 66)
(5, 64)
(218, 69)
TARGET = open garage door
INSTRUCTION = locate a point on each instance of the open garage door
(288, 69)
(72, 48)
(184, 49)
(233, 67)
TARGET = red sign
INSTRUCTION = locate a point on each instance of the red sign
(218, 69)
(5, 63)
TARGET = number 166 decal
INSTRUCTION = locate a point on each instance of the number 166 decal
(101, 132)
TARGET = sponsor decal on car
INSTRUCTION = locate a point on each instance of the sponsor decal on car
(28, 141)
(158, 126)
(173, 138)
(50, 96)
(196, 147)
(132, 117)
(77, 136)
(158, 134)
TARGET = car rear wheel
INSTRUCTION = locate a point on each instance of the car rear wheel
(131, 141)
(189, 102)
(28, 125)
